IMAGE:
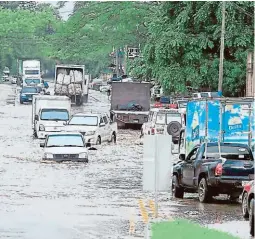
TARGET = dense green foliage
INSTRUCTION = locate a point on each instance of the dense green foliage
(180, 40)
(95, 28)
(183, 45)
(23, 32)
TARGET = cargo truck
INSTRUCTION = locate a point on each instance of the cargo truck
(28, 68)
(49, 114)
(70, 80)
(226, 120)
(130, 103)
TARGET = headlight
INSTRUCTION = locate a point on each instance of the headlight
(48, 156)
(41, 127)
(23, 95)
(83, 155)
(90, 133)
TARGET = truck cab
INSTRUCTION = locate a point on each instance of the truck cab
(49, 114)
(31, 81)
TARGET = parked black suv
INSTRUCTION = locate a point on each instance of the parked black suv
(211, 173)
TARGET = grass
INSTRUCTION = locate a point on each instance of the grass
(183, 229)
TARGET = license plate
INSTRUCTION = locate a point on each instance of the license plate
(244, 183)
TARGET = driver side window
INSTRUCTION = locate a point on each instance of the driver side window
(193, 154)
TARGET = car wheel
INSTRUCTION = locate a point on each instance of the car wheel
(203, 191)
(35, 134)
(245, 208)
(21, 102)
(177, 190)
(98, 140)
(251, 218)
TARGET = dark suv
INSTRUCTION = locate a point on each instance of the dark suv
(211, 173)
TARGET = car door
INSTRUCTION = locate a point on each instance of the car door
(188, 168)
(102, 129)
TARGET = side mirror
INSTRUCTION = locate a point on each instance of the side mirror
(65, 123)
(36, 117)
(102, 124)
(42, 145)
(182, 157)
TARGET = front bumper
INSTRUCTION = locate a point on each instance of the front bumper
(84, 160)
(26, 99)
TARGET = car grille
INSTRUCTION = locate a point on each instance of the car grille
(65, 156)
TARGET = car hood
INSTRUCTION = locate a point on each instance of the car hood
(80, 128)
(29, 93)
(47, 123)
(66, 150)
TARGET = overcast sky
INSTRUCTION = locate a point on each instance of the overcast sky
(65, 11)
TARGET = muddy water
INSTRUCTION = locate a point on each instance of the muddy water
(71, 200)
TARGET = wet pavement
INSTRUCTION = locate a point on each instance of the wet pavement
(72, 200)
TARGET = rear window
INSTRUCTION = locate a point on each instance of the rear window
(166, 118)
(231, 152)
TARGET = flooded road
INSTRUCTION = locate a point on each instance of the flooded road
(72, 200)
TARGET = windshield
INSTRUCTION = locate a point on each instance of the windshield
(31, 72)
(233, 152)
(54, 114)
(84, 120)
(32, 81)
(166, 118)
(29, 90)
(64, 140)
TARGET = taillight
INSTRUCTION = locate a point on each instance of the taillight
(247, 187)
(152, 131)
(218, 170)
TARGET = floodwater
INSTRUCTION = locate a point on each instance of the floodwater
(73, 200)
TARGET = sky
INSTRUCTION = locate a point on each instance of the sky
(65, 11)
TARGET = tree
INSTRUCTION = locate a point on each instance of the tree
(182, 47)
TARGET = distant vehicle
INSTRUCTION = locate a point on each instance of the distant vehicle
(65, 146)
(206, 95)
(70, 81)
(31, 68)
(6, 74)
(130, 103)
(49, 113)
(104, 87)
(247, 196)
(27, 93)
(210, 173)
(164, 121)
(95, 127)
(181, 105)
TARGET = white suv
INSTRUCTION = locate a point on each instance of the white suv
(95, 127)
(164, 121)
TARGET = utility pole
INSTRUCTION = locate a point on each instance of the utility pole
(222, 47)
(253, 83)
(117, 62)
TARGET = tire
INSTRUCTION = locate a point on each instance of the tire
(35, 134)
(21, 102)
(98, 142)
(177, 190)
(113, 138)
(245, 209)
(174, 128)
(203, 191)
(251, 218)
(85, 99)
